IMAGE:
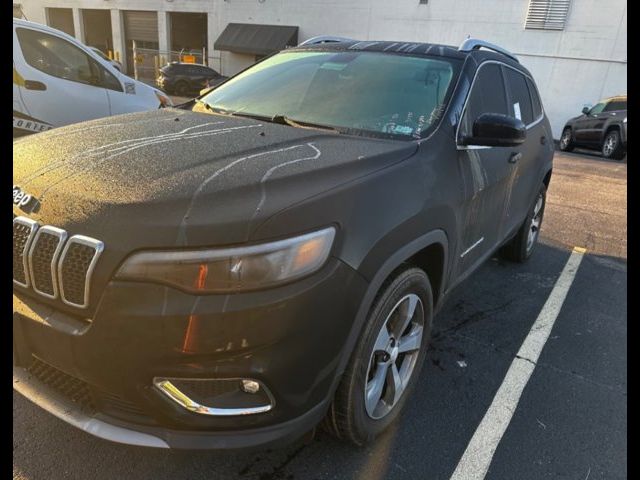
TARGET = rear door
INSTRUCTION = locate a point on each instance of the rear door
(486, 172)
(60, 80)
(524, 104)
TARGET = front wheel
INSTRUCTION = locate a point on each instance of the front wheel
(521, 247)
(612, 146)
(386, 361)
(566, 140)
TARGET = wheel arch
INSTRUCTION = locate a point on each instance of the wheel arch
(609, 128)
(424, 252)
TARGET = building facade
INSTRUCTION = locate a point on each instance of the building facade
(575, 49)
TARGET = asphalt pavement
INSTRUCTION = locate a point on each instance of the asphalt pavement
(570, 422)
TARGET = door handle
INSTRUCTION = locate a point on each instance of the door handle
(543, 140)
(34, 85)
(515, 156)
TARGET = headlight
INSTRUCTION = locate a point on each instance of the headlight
(625, 120)
(164, 100)
(232, 269)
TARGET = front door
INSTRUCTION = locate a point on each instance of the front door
(586, 130)
(486, 172)
(61, 81)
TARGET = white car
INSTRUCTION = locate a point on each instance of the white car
(116, 64)
(57, 81)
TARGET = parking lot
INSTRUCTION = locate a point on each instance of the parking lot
(570, 422)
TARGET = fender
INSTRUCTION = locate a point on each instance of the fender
(390, 264)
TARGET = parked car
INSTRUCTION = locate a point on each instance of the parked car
(229, 272)
(115, 63)
(184, 79)
(58, 81)
(601, 127)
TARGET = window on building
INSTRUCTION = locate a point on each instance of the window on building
(487, 96)
(520, 105)
(547, 14)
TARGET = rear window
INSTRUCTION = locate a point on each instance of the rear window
(615, 106)
(537, 104)
(520, 105)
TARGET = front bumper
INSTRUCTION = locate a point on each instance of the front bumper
(290, 339)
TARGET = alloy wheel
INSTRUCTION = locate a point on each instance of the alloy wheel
(534, 228)
(609, 145)
(566, 138)
(394, 356)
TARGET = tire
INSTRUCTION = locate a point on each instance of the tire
(522, 245)
(350, 417)
(612, 145)
(566, 140)
(181, 89)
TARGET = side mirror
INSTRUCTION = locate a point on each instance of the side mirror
(496, 130)
(586, 110)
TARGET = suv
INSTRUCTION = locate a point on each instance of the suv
(602, 127)
(229, 272)
(183, 79)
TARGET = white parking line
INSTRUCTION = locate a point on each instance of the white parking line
(476, 459)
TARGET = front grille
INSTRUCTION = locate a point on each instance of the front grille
(70, 387)
(37, 261)
(89, 399)
(43, 256)
(74, 270)
(23, 231)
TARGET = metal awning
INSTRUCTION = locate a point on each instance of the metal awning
(256, 39)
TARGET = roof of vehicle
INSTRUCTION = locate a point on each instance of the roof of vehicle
(480, 52)
(413, 48)
(615, 98)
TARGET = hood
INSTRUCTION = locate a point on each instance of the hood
(174, 177)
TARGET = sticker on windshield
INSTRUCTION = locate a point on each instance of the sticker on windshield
(516, 110)
(333, 66)
(402, 130)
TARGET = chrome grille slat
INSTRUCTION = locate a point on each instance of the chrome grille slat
(43, 260)
(54, 267)
(24, 230)
(75, 267)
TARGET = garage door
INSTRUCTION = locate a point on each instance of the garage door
(141, 26)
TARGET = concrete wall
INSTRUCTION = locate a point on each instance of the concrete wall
(583, 63)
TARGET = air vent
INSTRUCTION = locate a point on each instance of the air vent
(547, 14)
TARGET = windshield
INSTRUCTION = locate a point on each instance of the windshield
(369, 92)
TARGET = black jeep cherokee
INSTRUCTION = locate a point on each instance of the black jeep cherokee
(228, 273)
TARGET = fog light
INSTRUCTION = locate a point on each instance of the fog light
(250, 386)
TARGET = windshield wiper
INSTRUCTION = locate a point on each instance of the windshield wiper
(284, 120)
(208, 106)
(277, 118)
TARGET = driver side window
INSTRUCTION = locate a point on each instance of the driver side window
(59, 58)
(488, 95)
(597, 108)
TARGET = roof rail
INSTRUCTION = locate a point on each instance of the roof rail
(325, 39)
(475, 44)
